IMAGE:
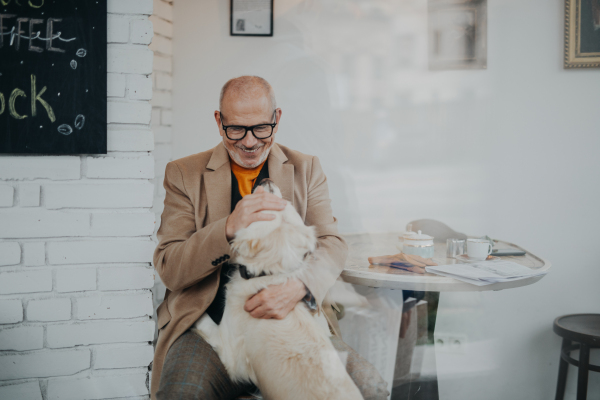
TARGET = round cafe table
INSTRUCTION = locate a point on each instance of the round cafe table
(389, 283)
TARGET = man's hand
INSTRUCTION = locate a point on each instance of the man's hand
(276, 301)
(248, 210)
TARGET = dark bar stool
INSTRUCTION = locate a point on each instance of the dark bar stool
(584, 329)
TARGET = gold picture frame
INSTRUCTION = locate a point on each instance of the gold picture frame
(582, 34)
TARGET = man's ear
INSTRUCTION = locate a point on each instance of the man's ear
(277, 119)
(218, 121)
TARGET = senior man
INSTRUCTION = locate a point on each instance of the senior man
(208, 199)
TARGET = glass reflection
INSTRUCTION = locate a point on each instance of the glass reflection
(401, 137)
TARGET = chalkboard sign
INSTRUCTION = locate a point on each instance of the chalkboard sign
(53, 76)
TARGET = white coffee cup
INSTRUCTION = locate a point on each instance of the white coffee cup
(478, 249)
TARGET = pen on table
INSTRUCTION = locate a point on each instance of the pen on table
(398, 265)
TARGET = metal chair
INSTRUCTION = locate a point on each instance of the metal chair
(437, 229)
(584, 329)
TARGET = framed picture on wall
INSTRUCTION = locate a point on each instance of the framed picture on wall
(582, 33)
(251, 18)
(457, 34)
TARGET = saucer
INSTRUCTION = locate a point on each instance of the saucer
(466, 258)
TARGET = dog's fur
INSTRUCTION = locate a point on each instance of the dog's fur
(287, 359)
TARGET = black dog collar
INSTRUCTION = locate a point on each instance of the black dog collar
(247, 275)
(309, 300)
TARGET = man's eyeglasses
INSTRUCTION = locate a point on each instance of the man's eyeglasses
(236, 132)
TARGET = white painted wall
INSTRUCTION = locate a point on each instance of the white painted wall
(76, 247)
(511, 152)
(162, 112)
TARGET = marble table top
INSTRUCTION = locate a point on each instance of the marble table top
(365, 245)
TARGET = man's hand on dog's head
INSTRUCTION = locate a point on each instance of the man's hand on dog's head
(248, 210)
(276, 301)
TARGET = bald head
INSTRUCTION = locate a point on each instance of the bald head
(247, 88)
(248, 101)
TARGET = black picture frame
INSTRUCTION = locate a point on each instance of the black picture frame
(66, 78)
(236, 32)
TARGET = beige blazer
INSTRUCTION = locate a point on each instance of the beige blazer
(192, 242)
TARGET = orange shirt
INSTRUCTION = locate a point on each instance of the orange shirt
(245, 177)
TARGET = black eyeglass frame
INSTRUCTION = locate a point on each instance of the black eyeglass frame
(249, 128)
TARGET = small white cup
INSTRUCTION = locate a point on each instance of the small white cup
(478, 249)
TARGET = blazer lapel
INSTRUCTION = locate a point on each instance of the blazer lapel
(218, 184)
(281, 173)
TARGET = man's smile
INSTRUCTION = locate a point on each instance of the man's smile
(249, 150)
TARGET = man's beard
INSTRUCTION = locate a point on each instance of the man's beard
(238, 160)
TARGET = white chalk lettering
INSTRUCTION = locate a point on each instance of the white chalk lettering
(11, 103)
(16, 33)
(49, 28)
(31, 46)
(36, 97)
(2, 34)
(19, 33)
(30, 3)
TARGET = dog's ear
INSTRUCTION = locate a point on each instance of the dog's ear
(248, 248)
(254, 245)
(290, 215)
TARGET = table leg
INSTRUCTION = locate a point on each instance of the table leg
(421, 389)
(373, 331)
(433, 299)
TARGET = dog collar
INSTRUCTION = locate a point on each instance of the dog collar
(248, 275)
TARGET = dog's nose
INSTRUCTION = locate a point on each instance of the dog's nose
(268, 185)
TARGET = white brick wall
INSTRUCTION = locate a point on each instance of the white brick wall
(115, 306)
(162, 45)
(120, 167)
(44, 363)
(6, 195)
(29, 195)
(77, 334)
(119, 278)
(130, 140)
(76, 243)
(99, 386)
(55, 309)
(11, 311)
(41, 223)
(32, 167)
(21, 391)
(34, 254)
(21, 338)
(121, 356)
(25, 281)
(77, 279)
(11, 253)
(116, 85)
(99, 195)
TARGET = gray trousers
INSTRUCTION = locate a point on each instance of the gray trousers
(193, 371)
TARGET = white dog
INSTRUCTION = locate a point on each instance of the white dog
(287, 359)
